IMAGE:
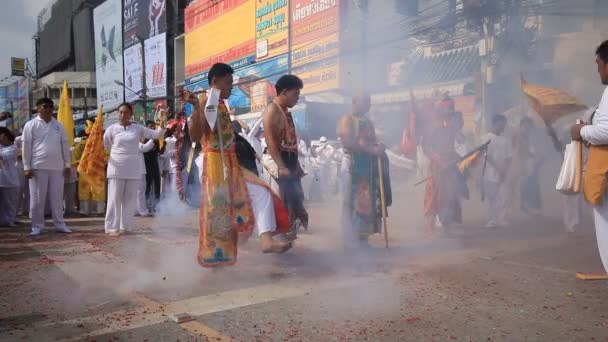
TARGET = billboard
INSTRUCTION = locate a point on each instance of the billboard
(133, 73)
(143, 19)
(271, 28)
(108, 53)
(253, 85)
(315, 43)
(17, 66)
(156, 66)
(219, 32)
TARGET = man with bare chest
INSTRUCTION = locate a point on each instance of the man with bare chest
(282, 145)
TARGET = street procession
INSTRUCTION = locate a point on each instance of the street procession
(304, 170)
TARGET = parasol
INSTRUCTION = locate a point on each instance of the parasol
(551, 104)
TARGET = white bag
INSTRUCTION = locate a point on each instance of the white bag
(569, 180)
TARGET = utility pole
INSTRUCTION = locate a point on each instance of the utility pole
(144, 88)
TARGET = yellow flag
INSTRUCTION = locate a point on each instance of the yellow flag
(92, 167)
(64, 114)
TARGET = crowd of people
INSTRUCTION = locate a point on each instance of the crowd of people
(258, 178)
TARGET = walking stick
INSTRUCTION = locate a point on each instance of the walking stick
(383, 203)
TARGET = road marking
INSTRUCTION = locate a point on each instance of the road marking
(197, 329)
(129, 319)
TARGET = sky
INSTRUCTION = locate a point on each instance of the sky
(17, 26)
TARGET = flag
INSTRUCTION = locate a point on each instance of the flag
(408, 139)
(462, 164)
(92, 168)
(64, 114)
(471, 158)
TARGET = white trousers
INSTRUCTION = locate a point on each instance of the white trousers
(572, 206)
(497, 198)
(122, 201)
(142, 208)
(8, 205)
(600, 216)
(263, 208)
(46, 182)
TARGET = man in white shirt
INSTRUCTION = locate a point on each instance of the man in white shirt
(495, 185)
(46, 163)
(595, 133)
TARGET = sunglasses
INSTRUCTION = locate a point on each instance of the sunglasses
(46, 106)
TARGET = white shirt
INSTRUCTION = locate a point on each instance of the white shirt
(9, 175)
(253, 140)
(45, 145)
(171, 153)
(499, 151)
(126, 159)
(597, 132)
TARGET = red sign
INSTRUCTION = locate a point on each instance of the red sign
(313, 19)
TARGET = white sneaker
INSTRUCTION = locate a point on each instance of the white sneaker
(63, 230)
(35, 232)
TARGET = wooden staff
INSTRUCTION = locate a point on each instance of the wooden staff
(383, 203)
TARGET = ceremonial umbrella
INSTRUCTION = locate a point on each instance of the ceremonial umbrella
(551, 104)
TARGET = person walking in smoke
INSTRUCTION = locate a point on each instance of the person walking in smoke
(361, 198)
(595, 134)
(443, 193)
(499, 155)
(235, 200)
(282, 145)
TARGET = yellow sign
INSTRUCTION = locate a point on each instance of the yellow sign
(320, 78)
(272, 28)
(229, 37)
(315, 51)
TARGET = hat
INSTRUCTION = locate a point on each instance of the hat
(323, 140)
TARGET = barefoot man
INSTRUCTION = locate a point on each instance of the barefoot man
(282, 142)
(234, 201)
(361, 207)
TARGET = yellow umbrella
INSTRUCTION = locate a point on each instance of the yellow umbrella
(551, 104)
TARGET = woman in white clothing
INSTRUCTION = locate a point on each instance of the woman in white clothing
(9, 178)
(125, 167)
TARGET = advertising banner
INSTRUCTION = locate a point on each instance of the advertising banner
(272, 28)
(253, 84)
(222, 32)
(315, 51)
(315, 43)
(108, 54)
(156, 66)
(133, 73)
(321, 76)
(143, 19)
(17, 66)
(313, 19)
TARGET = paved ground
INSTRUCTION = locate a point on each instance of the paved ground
(511, 284)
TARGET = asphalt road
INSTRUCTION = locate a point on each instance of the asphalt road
(511, 284)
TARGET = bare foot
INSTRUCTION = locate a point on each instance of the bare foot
(270, 245)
